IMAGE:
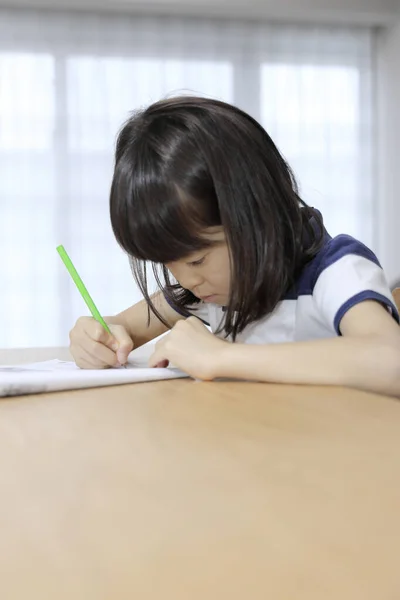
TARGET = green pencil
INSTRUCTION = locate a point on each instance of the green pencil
(81, 287)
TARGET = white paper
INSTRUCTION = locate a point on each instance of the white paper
(55, 375)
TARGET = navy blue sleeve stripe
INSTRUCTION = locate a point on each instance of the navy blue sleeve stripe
(183, 313)
(335, 249)
(340, 246)
(361, 297)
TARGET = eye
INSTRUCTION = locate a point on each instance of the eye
(197, 263)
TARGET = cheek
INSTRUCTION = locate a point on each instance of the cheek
(174, 271)
(220, 274)
(225, 267)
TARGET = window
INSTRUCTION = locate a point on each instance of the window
(67, 83)
(313, 113)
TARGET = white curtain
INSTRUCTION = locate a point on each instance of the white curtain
(68, 81)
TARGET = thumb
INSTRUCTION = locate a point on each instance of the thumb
(121, 343)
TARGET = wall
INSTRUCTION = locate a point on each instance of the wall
(343, 11)
(388, 192)
(374, 12)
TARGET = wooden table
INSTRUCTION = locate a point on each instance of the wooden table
(182, 490)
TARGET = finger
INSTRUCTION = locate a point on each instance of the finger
(84, 360)
(118, 341)
(84, 364)
(156, 358)
(98, 353)
(160, 351)
(163, 364)
(96, 332)
(123, 341)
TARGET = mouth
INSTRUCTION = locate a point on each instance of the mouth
(210, 298)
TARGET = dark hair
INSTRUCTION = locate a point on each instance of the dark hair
(187, 163)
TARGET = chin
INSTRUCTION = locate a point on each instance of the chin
(220, 301)
(217, 299)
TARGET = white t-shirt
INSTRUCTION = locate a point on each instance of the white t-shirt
(342, 274)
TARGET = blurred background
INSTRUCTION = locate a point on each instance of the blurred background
(322, 76)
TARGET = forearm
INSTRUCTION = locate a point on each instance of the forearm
(369, 363)
(126, 319)
(123, 319)
(136, 322)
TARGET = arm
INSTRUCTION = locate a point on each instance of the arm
(92, 347)
(134, 320)
(367, 356)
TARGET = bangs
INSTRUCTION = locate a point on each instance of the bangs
(155, 220)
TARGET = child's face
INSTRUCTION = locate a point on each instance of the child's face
(206, 273)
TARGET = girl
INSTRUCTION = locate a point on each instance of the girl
(201, 192)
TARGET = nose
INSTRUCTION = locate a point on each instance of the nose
(188, 278)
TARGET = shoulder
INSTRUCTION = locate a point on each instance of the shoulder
(341, 251)
(343, 273)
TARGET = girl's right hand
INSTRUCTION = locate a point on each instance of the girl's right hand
(93, 348)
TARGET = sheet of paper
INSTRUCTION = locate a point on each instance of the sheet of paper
(54, 375)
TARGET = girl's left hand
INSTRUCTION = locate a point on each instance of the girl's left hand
(192, 348)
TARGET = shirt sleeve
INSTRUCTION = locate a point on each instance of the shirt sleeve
(352, 278)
